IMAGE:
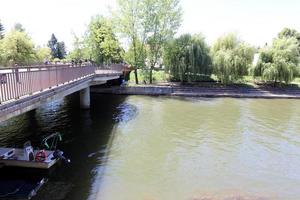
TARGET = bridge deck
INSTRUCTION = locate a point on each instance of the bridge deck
(23, 89)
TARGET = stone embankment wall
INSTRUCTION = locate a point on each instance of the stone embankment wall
(191, 91)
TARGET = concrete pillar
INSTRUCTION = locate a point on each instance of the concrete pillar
(85, 98)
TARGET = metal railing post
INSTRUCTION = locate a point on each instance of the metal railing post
(17, 82)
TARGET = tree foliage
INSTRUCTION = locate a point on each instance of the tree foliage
(1, 30)
(43, 54)
(290, 33)
(161, 19)
(148, 24)
(103, 45)
(19, 27)
(80, 51)
(278, 63)
(17, 48)
(1, 48)
(187, 58)
(129, 17)
(231, 58)
(58, 49)
(133, 58)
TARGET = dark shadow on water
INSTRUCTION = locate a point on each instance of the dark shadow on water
(85, 137)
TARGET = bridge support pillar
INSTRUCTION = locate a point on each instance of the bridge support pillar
(85, 98)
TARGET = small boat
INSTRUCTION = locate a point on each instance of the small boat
(30, 158)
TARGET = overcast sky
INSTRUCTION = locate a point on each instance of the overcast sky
(255, 21)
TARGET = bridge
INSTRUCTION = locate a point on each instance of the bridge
(25, 88)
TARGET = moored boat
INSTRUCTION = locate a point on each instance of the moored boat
(29, 158)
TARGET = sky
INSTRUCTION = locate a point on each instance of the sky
(255, 21)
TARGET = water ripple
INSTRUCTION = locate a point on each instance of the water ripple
(126, 112)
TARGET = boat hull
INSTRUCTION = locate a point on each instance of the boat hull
(17, 159)
(28, 164)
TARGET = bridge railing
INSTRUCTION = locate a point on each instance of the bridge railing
(114, 68)
(21, 81)
(18, 82)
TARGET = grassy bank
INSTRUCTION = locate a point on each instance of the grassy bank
(161, 77)
(158, 77)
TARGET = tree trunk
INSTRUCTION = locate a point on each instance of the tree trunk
(135, 61)
(136, 76)
(151, 68)
(275, 82)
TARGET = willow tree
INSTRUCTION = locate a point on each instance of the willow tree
(279, 62)
(187, 58)
(231, 58)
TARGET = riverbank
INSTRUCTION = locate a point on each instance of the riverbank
(208, 90)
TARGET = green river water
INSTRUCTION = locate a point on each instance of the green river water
(212, 148)
(160, 148)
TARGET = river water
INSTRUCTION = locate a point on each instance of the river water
(160, 148)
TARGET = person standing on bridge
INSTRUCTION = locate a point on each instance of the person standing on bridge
(17, 73)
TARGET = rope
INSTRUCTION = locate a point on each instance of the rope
(11, 193)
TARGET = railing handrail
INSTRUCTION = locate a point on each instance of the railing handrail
(20, 81)
(122, 66)
(45, 66)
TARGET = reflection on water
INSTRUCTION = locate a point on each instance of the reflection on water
(158, 148)
(126, 112)
(205, 149)
(85, 133)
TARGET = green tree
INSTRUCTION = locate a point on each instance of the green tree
(1, 30)
(290, 33)
(279, 62)
(42, 54)
(133, 58)
(80, 51)
(129, 18)
(2, 60)
(161, 19)
(231, 58)
(19, 27)
(57, 48)
(187, 58)
(17, 48)
(148, 24)
(102, 42)
(52, 44)
(61, 50)
(1, 46)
